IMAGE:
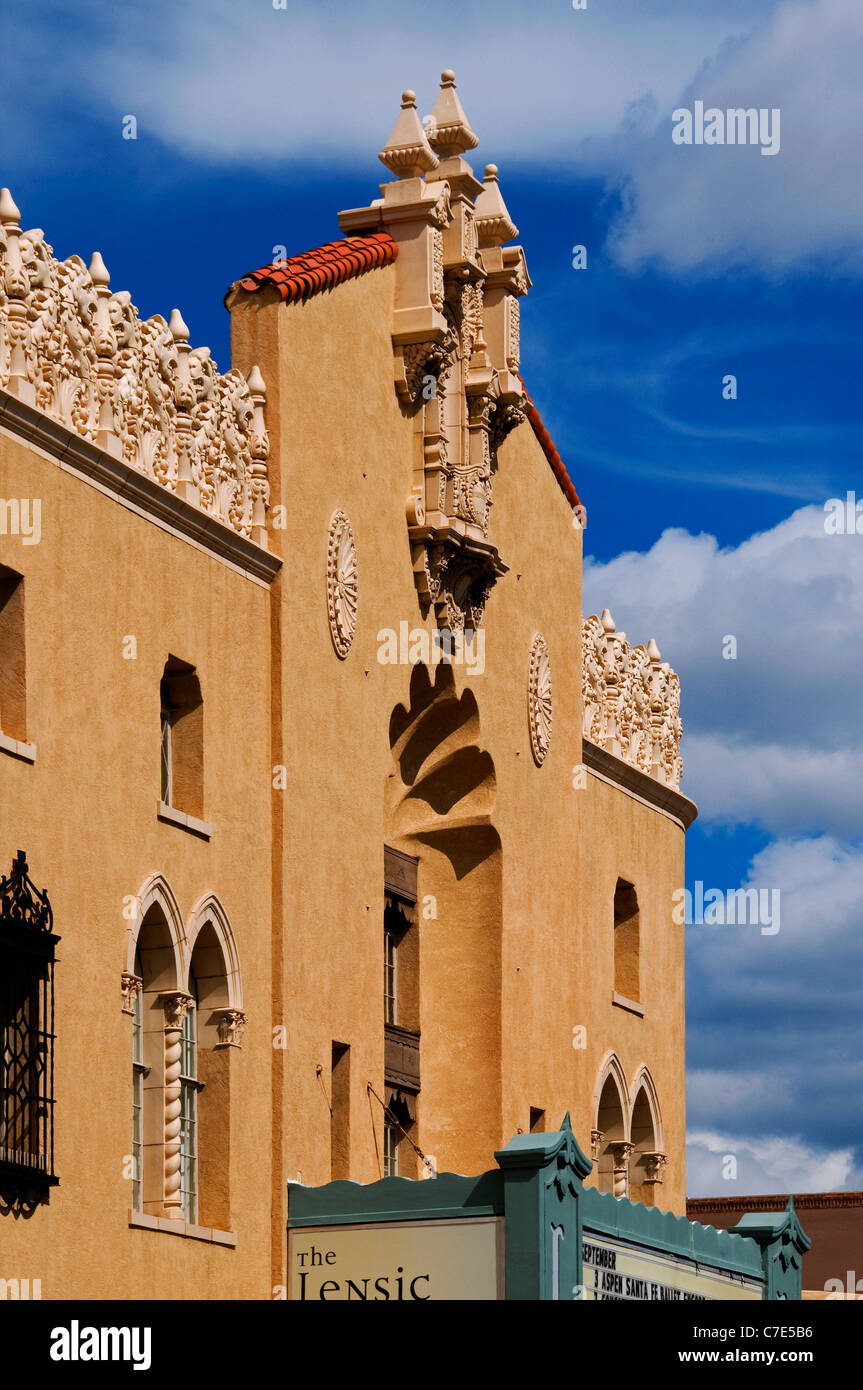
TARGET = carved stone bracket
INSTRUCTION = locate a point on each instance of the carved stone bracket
(455, 576)
(130, 986)
(231, 1025)
(655, 1164)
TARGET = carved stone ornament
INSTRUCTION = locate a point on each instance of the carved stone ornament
(135, 388)
(176, 1006)
(631, 701)
(231, 1025)
(342, 583)
(130, 986)
(539, 699)
(655, 1163)
(455, 338)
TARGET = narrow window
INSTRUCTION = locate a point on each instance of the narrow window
(167, 793)
(182, 738)
(13, 668)
(139, 1071)
(390, 1009)
(340, 1123)
(537, 1121)
(401, 1012)
(189, 1117)
(626, 941)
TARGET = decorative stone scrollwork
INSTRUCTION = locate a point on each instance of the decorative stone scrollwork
(342, 583)
(513, 346)
(133, 387)
(419, 360)
(631, 701)
(457, 582)
(539, 699)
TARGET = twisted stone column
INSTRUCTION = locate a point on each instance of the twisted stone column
(176, 1006)
(620, 1155)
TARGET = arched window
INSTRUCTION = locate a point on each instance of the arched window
(214, 1029)
(152, 986)
(610, 1137)
(182, 739)
(626, 941)
(184, 996)
(13, 666)
(152, 994)
(647, 1160)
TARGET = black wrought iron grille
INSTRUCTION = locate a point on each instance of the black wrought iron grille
(26, 1069)
(26, 1036)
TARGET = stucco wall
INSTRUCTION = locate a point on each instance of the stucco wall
(521, 948)
(86, 814)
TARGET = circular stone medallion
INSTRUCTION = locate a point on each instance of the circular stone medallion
(342, 583)
(539, 699)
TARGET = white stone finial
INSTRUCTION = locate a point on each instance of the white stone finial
(607, 620)
(9, 211)
(493, 223)
(256, 382)
(451, 132)
(653, 651)
(407, 153)
(179, 331)
(98, 270)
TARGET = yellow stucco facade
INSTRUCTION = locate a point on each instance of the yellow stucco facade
(520, 836)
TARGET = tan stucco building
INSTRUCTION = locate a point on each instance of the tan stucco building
(360, 842)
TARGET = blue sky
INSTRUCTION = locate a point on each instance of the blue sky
(705, 516)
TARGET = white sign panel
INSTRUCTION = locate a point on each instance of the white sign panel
(628, 1273)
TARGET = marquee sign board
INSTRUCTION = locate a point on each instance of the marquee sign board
(528, 1229)
(626, 1273)
(397, 1261)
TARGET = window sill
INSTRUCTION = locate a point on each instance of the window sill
(167, 813)
(17, 749)
(631, 1005)
(143, 1221)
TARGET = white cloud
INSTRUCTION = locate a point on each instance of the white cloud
(775, 1035)
(237, 80)
(711, 208)
(774, 735)
(765, 1165)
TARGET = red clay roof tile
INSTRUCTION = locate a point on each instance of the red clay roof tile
(301, 276)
